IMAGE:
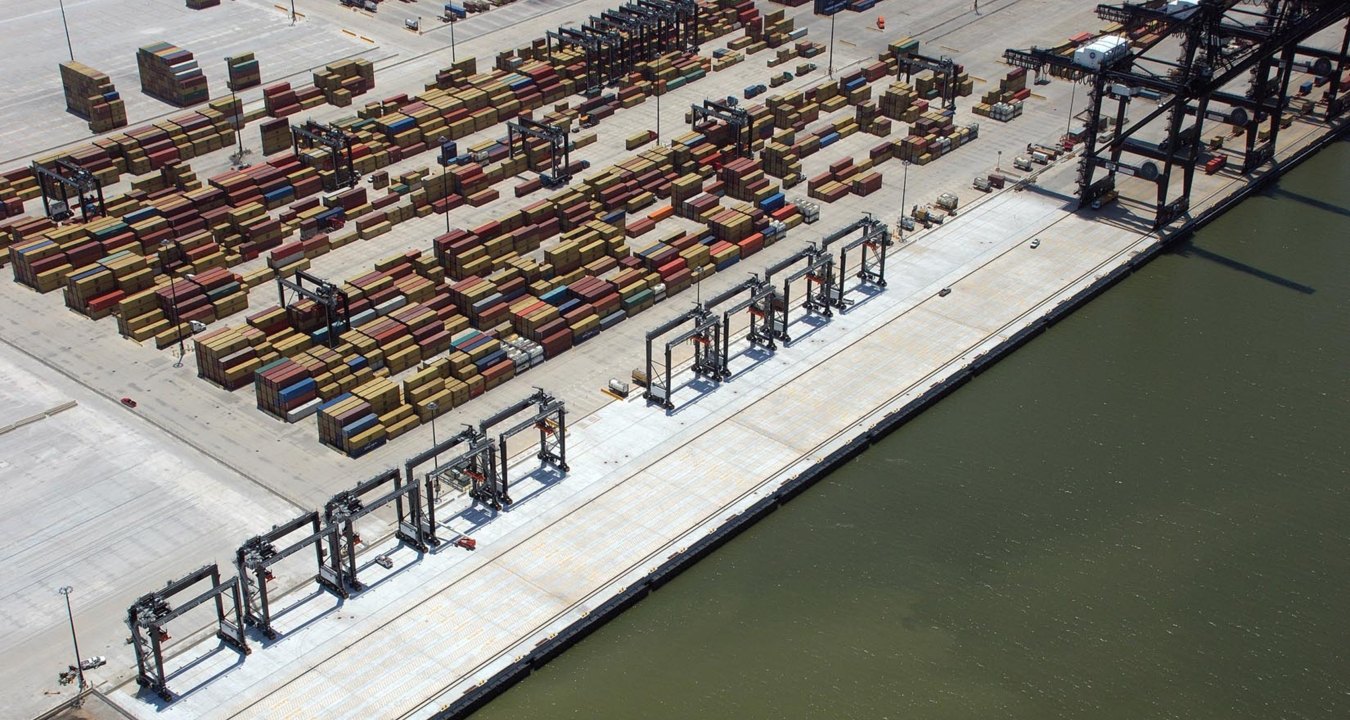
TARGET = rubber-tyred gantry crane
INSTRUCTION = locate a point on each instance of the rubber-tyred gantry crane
(58, 182)
(560, 151)
(255, 558)
(343, 511)
(737, 118)
(334, 300)
(338, 143)
(149, 617)
(909, 62)
(616, 40)
(548, 416)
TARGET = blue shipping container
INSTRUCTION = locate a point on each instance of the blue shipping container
(360, 425)
(358, 452)
(556, 296)
(772, 202)
(336, 400)
(291, 392)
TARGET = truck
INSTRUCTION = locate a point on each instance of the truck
(948, 202)
(927, 216)
(1022, 162)
(1106, 198)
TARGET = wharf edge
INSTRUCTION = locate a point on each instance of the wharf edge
(610, 609)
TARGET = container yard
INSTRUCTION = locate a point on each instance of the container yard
(315, 278)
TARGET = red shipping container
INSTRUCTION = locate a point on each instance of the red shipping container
(557, 343)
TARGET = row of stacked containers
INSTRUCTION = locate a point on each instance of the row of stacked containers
(463, 319)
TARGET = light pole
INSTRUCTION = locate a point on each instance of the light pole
(998, 165)
(79, 664)
(453, 19)
(658, 98)
(238, 124)
(904, 189)
(292, 12)
(832, 44)
(435, 456)
(173, 293)
(234, 102)
(66, 27)
(1072, 93)
(445, 172)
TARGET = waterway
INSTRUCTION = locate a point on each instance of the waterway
(1144, 513)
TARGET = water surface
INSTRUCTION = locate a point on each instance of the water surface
(1144, 513)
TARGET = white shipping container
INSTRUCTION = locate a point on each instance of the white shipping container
(303, 411)
(1182, 8)
(1102, 51)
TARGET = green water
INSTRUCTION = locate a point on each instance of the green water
(1144, 513)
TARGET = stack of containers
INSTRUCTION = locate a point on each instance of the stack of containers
(229, 356)
(148, 148)
(480, 354)
(12, 197)
(341, 81)
(432, 384)
(780, 160)
(835, 183)
(524, 353)
(897, 102)
(1005, 103)
(866, 183)
(386, 402)
(280, 100)
(97, 289)
(529, 314)
(169, 73)
(183, 301)
(637, 290)
(282, 386)
(932, 136)
(698, 206)
(599, 294)
(854, 88)
(731, 224)
(243, 72)
(349, 424)
(276, 135)
(480, 300)
(91, 95)
(744, 178)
